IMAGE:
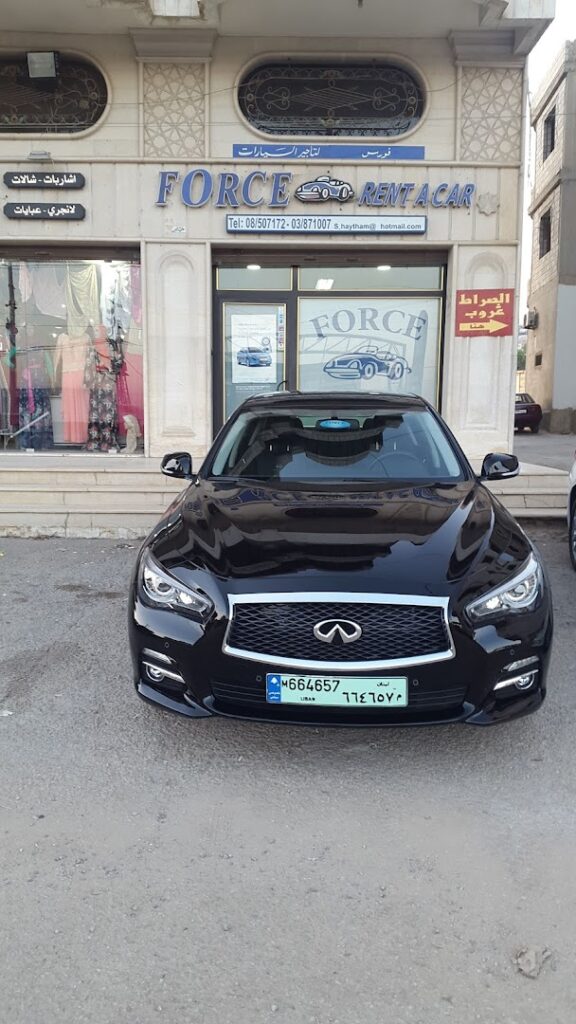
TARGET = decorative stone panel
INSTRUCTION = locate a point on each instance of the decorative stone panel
(174, 110)
(491, 115)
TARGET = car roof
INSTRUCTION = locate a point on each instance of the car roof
(294, 399)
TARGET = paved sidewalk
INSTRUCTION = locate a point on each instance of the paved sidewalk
(554, 450)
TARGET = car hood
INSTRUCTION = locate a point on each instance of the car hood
(437, 540)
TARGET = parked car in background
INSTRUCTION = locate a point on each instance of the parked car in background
(527, 413)
(572, 513)
(253, 357)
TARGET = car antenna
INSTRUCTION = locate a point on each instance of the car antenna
(282, 385)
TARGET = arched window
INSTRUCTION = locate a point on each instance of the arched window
(71, 102)
(372, 98)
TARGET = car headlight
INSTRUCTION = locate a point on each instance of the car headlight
(165, 591)
(520, 594)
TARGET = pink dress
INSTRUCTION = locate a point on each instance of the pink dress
(71, 356)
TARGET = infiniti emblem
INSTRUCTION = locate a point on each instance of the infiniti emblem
(337, 631)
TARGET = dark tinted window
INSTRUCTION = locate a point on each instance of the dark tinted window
(318, 98)
(71, 102)
(545, 238)
(549, 134)
(341, 444)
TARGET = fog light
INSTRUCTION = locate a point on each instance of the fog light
(159, 673)
(524, 682)
(156, 674)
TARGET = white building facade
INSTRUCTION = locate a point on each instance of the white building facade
(206, 201)
(551, 348)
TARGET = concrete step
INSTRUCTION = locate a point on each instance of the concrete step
(103, 499)
(115, 496)
(29, 522)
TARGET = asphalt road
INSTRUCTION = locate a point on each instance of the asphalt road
(555, 450)
(161, 870)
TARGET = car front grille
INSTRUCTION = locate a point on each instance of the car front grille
(283, 632)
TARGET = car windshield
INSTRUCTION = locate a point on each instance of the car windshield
(337, 444)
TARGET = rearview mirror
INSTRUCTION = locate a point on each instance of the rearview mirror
(177, 464)
(497, 466)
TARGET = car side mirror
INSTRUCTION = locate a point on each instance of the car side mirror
(497, 466)
(177, 464)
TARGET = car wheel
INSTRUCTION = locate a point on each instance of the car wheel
(345, 193)
(535, 428)
(324, 193)
(369, 371)
(396, 371)
(572, 533)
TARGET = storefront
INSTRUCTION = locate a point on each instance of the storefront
(226, 215)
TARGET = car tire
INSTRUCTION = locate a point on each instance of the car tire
(396, 371)
(345, 194)
(535, 428)
(369, 371)
(324, 194)
(572, 532)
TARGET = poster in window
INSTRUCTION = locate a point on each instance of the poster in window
(254, 348)
(369, 344)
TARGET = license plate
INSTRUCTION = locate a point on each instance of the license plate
(337, 691)
(520, 412)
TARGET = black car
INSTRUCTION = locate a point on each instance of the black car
(527, 413)
(336, 561)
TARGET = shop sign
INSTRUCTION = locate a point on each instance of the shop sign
(228, 189)
(43, 179)
(485, 311)
(326, 151)
(317, 224)
(44, 211)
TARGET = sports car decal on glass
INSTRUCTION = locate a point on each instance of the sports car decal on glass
(368, 363)
(323, 189)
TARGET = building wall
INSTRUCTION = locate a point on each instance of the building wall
(176, 114)
(553, 278)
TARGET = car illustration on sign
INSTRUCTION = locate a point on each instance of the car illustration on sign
(368, 363)
(253, 357)
(323, 189)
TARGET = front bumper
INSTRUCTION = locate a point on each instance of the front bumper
(460, 689)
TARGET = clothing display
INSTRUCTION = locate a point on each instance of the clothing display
(71, 367)
(102, 414)
(115, 298)
(4, 401)
(82, 297)
(48, 291)
(71, 355)
(103, 399)
(35, 415)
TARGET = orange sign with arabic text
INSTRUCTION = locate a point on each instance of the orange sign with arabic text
(485, 312)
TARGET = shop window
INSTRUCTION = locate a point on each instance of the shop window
(332, 99)
(72, 101)
(71, 355)
(549, 134)
(545, 234)
(380, 278)
(255, 278)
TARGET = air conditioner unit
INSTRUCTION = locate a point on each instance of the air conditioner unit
(531, 320)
